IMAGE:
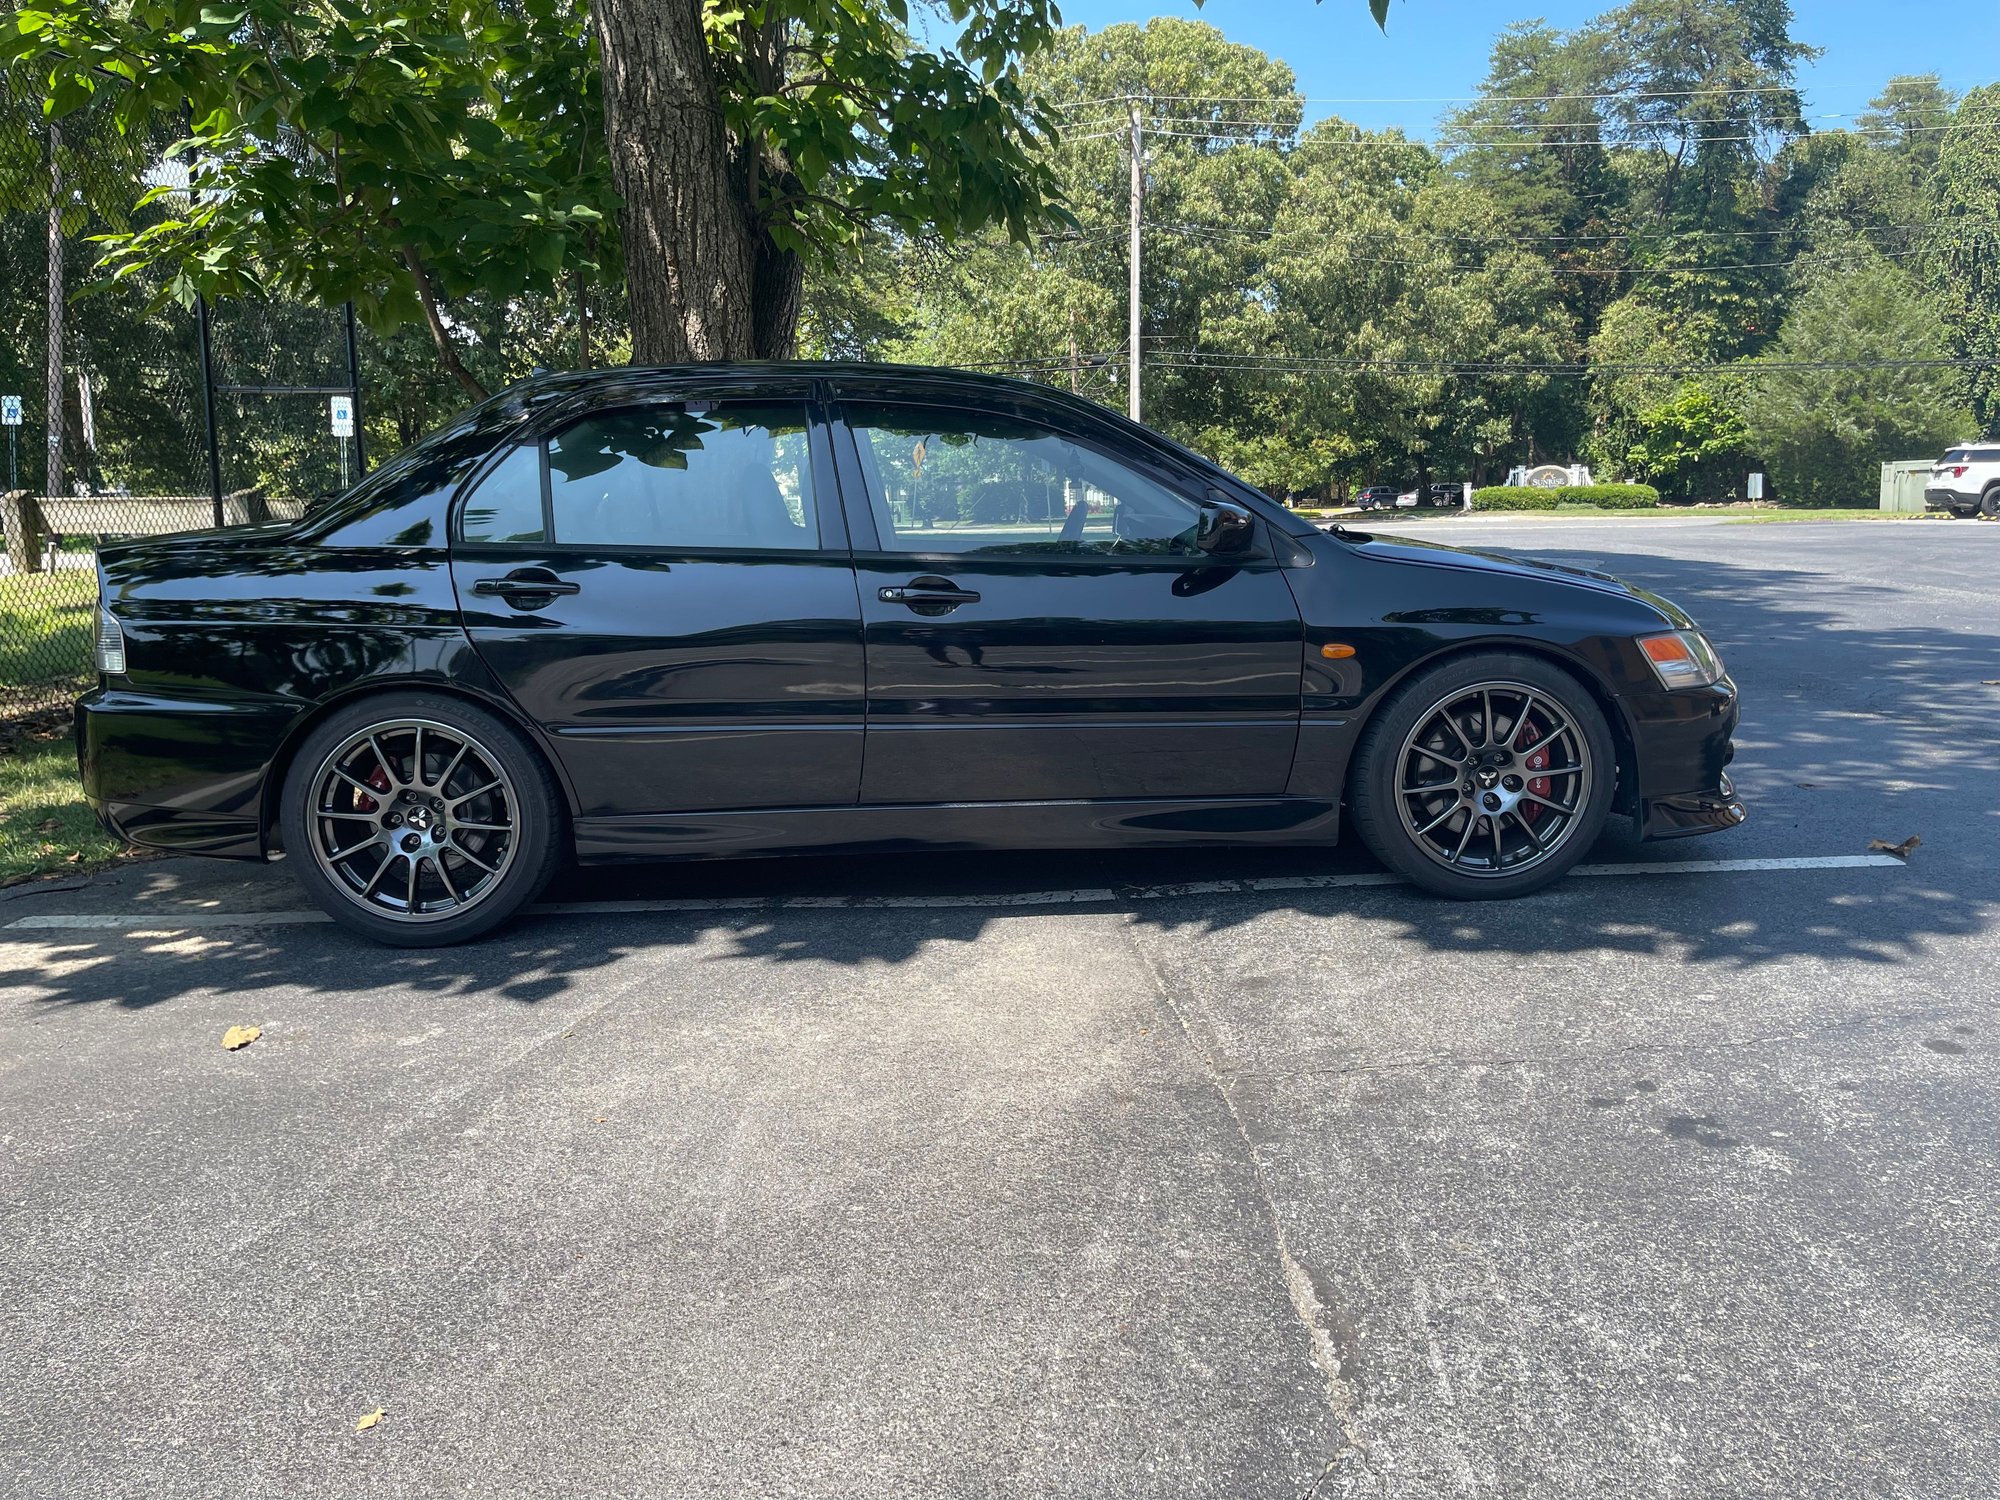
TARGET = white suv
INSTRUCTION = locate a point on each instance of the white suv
(1966, 481)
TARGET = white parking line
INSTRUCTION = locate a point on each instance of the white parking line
(163, 922)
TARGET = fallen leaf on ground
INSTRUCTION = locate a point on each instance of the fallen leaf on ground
(240, 1036)
(48, 825)
(362, 1424)
(1901, 851)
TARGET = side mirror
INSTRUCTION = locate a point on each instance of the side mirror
(1225, 529)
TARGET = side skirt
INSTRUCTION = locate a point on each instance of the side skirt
(959, 826)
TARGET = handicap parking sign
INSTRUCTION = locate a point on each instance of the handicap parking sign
(10, 411)
(343, 416)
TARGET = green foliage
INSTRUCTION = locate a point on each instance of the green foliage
(1691, 442)
(1962, 264)
(1824, 430)
(1609, 496)
(1600, 496)
(383, 154)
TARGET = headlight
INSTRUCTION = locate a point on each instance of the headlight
(1682, 659)
(110, 644)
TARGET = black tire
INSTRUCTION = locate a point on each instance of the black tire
(1525, 697)
(455, 783)
(1989, 504)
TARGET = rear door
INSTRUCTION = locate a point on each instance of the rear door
(1040, 626)
(665, 586)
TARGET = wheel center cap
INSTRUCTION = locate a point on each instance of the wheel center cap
(420, 818)
(1488, 776)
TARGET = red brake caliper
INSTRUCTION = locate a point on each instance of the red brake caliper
(1539, 761)
(377, 778)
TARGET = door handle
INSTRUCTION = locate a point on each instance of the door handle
(536, 582)
(928, 591)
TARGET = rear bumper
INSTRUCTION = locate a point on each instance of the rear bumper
(1951, 500)
(1682, 744)
(177, 774)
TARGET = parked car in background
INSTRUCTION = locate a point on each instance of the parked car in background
(1376, 497)
(1447, 494)
(767, 608)
(1966, 482)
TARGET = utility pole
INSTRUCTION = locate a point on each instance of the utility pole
(1138, 206)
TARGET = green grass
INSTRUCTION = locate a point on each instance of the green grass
(45, 628)
(45, 825)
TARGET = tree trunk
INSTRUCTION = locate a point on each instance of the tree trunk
(779, 292)
(53, 476)
(690, 264)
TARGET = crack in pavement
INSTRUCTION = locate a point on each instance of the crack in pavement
(1300, 1289)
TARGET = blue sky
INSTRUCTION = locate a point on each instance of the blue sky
(1440, 47)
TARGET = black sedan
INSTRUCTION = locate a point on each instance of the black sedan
(731, 610)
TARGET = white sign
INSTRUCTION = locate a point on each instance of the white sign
(1756, 486)
(10, 411)
(343, 415)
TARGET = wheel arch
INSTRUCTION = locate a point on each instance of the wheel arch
(280, 766)
(1624, 799)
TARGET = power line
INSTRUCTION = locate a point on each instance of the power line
(1701, 93)
(1194, 359)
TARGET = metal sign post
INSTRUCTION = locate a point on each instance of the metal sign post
(340, 411)
(10, 418)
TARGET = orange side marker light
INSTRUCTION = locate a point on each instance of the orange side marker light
(1336, 651)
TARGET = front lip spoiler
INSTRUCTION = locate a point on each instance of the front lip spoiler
(1694, 812)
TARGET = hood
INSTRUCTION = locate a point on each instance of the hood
(1435, 555)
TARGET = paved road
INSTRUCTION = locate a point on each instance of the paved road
(1678, 1184)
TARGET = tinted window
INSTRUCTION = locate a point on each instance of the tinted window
(507, 505)
(733, 477)
(952, 482)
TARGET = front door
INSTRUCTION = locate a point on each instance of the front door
(665, 587)
(1040, 626)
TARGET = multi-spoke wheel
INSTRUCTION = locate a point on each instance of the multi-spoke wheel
(419, 820)
(1487, 776)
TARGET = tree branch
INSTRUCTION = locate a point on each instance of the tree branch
(440, 335)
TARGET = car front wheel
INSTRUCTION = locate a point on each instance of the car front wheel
(419, 820)
(1484, 777)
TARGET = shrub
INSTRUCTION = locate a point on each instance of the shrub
(1610, 496)
(1513, 497)
(1604, 496)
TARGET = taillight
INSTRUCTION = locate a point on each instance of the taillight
(110, 644)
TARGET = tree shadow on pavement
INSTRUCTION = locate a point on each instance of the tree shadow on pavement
(1848, 733)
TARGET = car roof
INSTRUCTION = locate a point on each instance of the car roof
(943, 381)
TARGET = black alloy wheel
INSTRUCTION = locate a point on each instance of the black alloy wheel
(420, 820)
(1487, 776)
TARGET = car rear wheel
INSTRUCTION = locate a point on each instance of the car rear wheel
(1484, 777)
(1989, 504)
(419, 820)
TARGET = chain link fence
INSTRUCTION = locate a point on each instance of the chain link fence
(146, 445)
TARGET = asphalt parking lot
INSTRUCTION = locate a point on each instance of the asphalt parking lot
(1161, 1175)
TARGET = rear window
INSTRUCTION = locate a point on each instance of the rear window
(1955, 456)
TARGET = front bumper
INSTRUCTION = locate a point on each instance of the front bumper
(1681, 746)
(1693, 812)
